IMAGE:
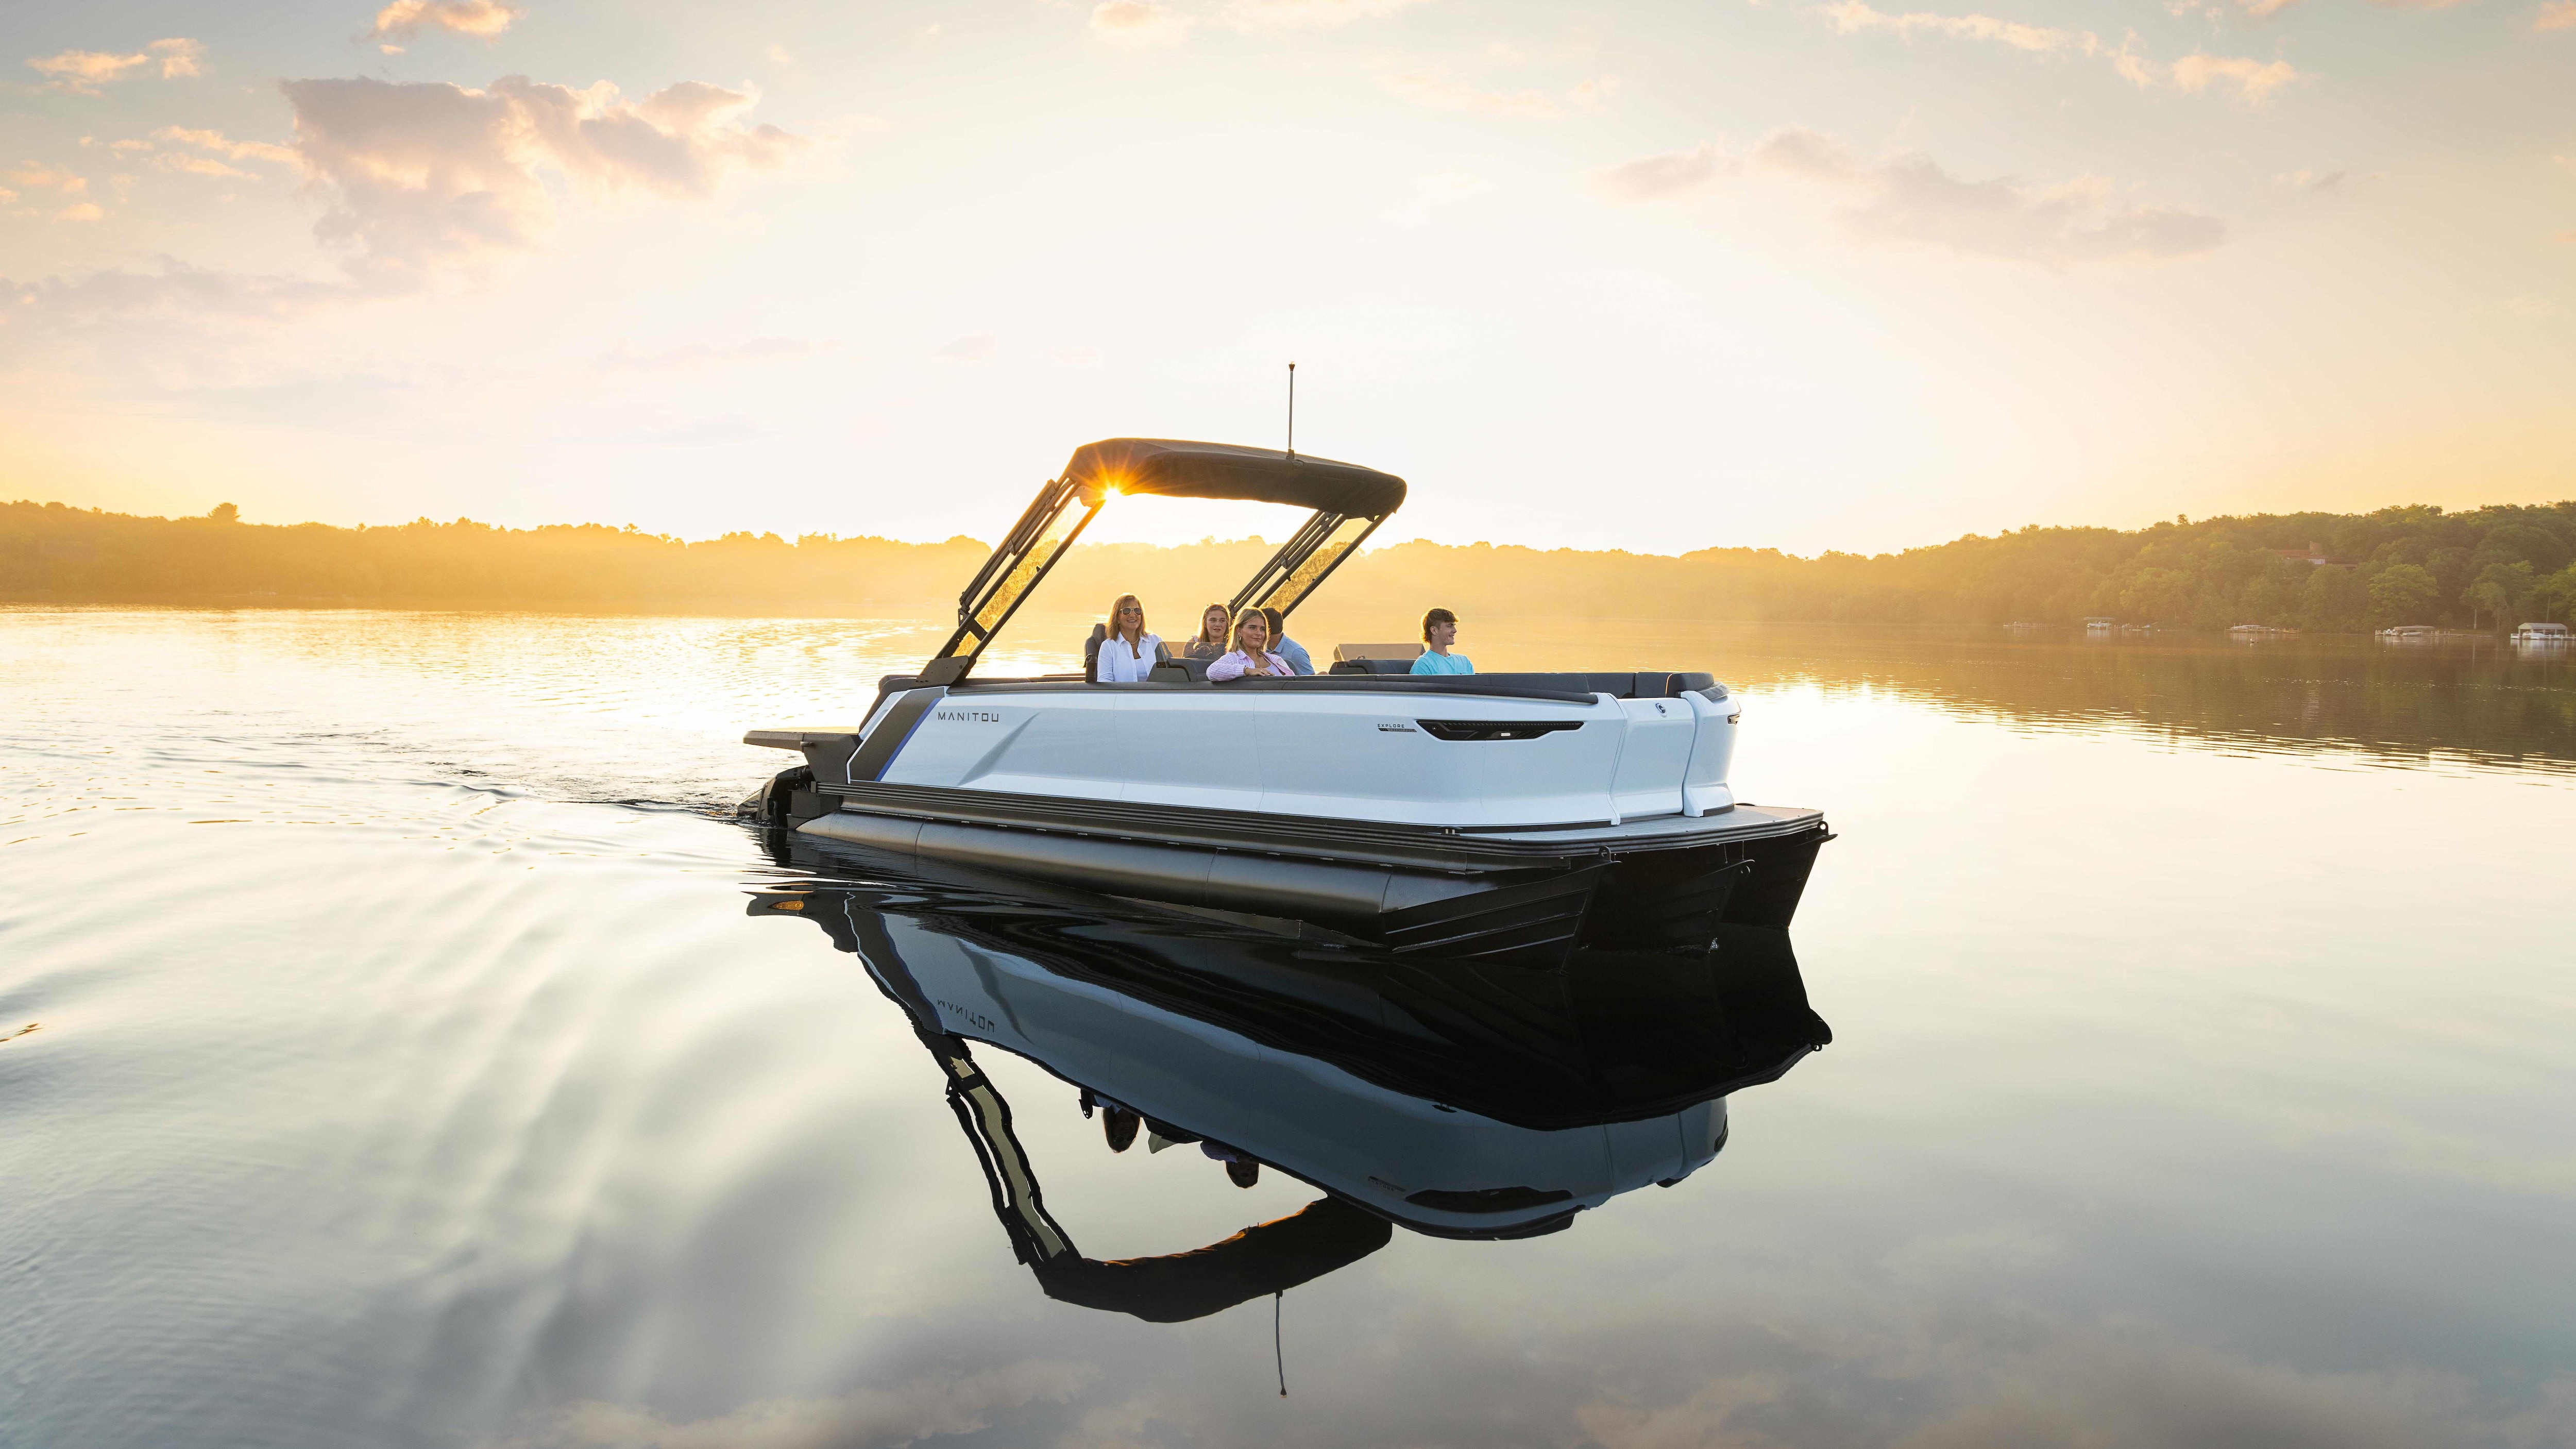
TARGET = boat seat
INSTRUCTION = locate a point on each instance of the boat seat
(1654, 683)
(1634, 684)
(1402, 654)
(1639, 684)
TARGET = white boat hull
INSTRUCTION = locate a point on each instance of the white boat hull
(1490, 816)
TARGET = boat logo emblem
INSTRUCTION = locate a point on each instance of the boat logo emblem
(1395, 727)
(977, 716)
(976, 1019)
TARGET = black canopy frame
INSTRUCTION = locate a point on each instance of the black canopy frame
(1349, 502)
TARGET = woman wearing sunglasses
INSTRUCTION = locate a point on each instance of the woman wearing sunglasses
(1128, 655)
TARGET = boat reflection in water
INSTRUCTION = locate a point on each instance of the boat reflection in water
(1453, 1098)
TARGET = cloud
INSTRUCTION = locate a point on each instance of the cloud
(2083, 1394)
(2326, 183)
(404, 19)
(194, 165)
(1807, 155)
(2556, 15)
(80, 211)
(1661, 177)
(49, 178)
(198, 165)
(427, 174)
(1912, 201)
(2253, 81)
(177, 290)
(85, 71)
(1150, 22)
(1436, 90)
(1138, 22)
(2075, 1389)
(1852, 17)
(2266, 9)
(1310, 14)
(147, 310)
(905, 1413)
(217, 142)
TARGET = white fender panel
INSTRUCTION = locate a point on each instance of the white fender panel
(1658, 749)
(1704, 787)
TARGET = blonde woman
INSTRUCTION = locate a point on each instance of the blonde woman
(1128, 655)
(1251, 654)
(1209, 642)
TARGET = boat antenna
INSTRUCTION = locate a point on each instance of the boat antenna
(1277, 1298)
(1292, 440)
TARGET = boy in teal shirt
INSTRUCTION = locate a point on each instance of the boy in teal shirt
(1439, 631)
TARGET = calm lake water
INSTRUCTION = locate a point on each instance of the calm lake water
(409, 1050)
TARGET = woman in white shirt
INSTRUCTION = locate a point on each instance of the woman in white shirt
(1129, 654)
(1251, 652)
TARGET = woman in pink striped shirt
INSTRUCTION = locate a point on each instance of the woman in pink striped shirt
(1251, 654)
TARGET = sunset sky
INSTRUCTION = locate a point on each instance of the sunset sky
(1657, 276)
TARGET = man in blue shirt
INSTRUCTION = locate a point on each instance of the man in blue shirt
(1439, 631)
(1285, 647)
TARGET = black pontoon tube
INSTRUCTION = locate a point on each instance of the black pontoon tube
(1492, 913)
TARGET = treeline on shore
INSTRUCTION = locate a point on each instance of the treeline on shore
(2490, 567)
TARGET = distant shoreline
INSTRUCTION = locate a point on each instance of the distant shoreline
(933, 615)
(2485, 570)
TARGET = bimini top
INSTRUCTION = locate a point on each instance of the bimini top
(1220, 470)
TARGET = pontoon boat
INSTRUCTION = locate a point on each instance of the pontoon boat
(1504, 815)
